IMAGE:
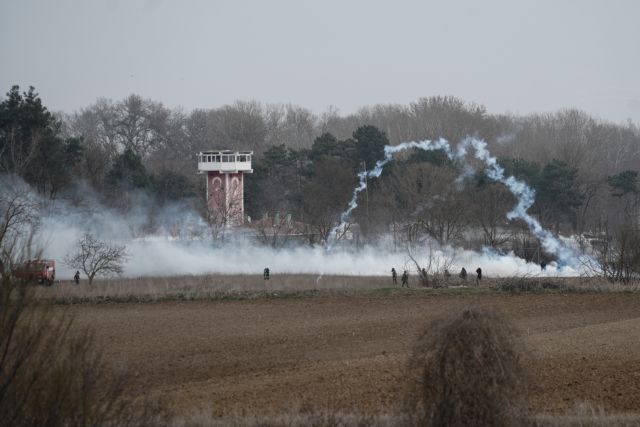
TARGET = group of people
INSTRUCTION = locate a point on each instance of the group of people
(405, 277)
(462, 275)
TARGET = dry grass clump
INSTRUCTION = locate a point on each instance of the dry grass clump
(300, 418)
(533, 284)
(469, 373)
(584, 414)
(518, 284)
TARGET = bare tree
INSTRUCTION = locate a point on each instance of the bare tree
(431, 263)
(276, 231)
(489, 206)
(431, 199)
(290, 125)
(51, 373)
(19, 221)
(96, 257)
(617, 255)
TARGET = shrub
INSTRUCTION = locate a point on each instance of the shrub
(52, 374)
(470, 372)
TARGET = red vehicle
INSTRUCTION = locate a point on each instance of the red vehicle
(40, 270)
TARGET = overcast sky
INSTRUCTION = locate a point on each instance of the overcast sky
(511, 56)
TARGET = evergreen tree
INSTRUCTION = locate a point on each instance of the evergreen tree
(128, 172)
(30, 142)
(524, 170)
(369, 143)
(326, 145)
(558, 196)
(171, 186)
(624, 183)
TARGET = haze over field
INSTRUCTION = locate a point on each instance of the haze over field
(182, 245)
(327, 90)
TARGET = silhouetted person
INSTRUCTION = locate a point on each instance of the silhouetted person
(543, 266)
(76, 277)
(394, 276)
(266, 273)
(463, 274)
(405, 279)
(479, 276)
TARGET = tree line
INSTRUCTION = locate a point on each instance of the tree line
(584, 170)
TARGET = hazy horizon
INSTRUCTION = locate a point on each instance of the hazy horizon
(519, 58)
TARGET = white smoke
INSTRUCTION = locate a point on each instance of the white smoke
(179, 243)
(156, 255)
(566, 255)
(188, 251)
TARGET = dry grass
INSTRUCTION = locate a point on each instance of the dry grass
(52, 374)
(149, 289)
(207, 287)
(468, 372)
(466, 367)
(583, 415)
(560, 284)
(299, 418)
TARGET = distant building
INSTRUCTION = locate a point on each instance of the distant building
(225, 184)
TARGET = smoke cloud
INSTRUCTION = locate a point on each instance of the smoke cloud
(566, 256)
(183, 247)
(165, 255)
(174, 239)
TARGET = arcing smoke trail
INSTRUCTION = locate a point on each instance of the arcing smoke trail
(526, 198)
(524, 193)
(389, 151)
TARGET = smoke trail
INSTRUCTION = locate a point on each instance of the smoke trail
(524, 194)
(389, 151)
(173, 240)
(526, 198)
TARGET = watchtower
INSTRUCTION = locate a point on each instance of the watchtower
(225, 184)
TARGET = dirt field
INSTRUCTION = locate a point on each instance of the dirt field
(349, 352)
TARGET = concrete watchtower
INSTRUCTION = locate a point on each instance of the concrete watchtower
(225, 184)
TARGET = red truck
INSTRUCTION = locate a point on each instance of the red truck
(40, 270)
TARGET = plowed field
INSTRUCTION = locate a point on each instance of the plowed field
(349, 352)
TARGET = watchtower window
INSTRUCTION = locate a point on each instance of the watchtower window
(242, 158)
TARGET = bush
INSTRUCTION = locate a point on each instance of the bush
(470, 373)
(528, 284)
(52, 374)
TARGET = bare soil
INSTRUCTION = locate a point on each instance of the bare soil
(350, 352)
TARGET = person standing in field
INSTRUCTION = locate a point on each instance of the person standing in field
(76, 277)
(479, 276)
(405, 279)
(394, 276)
(266, 274)
(463, 275)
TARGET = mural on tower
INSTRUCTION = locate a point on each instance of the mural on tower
(225, 185)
